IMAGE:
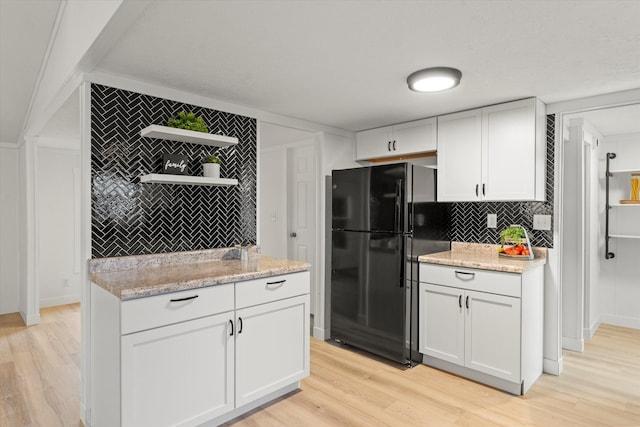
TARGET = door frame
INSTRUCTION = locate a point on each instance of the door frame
(317, 266)
(562, 110)
(315, 262)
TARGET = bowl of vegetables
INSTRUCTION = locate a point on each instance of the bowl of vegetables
(514, 243)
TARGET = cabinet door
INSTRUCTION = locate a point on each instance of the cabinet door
(441, 323)
(492, 334)
(272, 347)
(509, 151)
(415, 137)
(182, 374)
(459, 156)
(375, 143)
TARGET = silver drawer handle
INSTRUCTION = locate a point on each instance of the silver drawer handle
(183, 299)
(469, 276)
(276, 284)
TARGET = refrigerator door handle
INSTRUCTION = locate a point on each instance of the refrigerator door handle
(398, 208)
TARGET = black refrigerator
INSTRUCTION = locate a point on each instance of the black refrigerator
(383, 218)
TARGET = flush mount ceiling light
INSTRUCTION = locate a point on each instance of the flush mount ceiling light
(434, 79)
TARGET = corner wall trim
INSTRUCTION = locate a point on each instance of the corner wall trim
(321, 333)
(573, 344)
(552, 367)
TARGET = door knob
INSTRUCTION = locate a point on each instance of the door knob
(293, 234)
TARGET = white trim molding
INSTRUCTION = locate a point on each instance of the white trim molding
(29, 295)
(595, 102)
(85, 249)
(573, 344)
(552, 367)
(617, 320)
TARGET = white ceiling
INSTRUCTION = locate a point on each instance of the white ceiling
(344, 63)
(25, 29)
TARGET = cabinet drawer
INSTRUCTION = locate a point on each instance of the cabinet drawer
(495, 282)
(151, 312)
(267, 289)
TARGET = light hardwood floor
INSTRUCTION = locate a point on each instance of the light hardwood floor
(40, 383)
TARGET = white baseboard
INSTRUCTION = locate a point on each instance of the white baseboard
(320, 333)
(32, 319)
(589, 332)
(624, 321)
(573, 344)
(65, 299)
(553, 367)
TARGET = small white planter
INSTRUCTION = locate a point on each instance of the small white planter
(211, 170)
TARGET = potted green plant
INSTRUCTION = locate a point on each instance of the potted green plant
(211, 166)
(188, 121)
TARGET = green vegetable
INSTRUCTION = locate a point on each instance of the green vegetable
(512, 234)
(188, 121)
(211, 159)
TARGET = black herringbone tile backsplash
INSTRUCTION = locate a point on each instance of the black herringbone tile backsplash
(470, 218)
(130, 218)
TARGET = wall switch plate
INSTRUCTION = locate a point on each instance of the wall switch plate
(542, 222)
(492, 220)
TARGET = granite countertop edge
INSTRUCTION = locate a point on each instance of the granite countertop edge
(156, 278)
(484, 257)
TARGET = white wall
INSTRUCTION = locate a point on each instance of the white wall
(58, 204)
(619, 277)
(336, 152)
(272, 220)
(9, 279)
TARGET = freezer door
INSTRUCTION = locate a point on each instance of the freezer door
(368, 292)
(369, 198)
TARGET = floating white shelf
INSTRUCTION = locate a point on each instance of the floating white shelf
(625, 205)
(624, 171)
(624, 236)
(183, 135)
(162, 178)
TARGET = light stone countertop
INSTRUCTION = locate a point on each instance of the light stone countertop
(484, 257)
(147, 275)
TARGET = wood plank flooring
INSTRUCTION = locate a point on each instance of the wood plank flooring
(40, 369)
(40, 385)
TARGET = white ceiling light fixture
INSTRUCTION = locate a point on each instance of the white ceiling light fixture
(434, 79)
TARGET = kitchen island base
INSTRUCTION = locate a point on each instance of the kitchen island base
(198, 356)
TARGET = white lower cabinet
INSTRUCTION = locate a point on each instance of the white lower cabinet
(180, 374)
(492, 334)
(197, 357)
(467, 327)
(271, 347)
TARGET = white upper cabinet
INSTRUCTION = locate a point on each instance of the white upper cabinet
(396, 141)
(495, 153)
(459, 154)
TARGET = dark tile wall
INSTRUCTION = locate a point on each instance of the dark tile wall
(470, 218)
(130, 218)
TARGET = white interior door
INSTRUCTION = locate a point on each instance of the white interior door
(301, 194)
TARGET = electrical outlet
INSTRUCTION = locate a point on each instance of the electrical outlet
(65, 283)
(492, 220)
(542, 222)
